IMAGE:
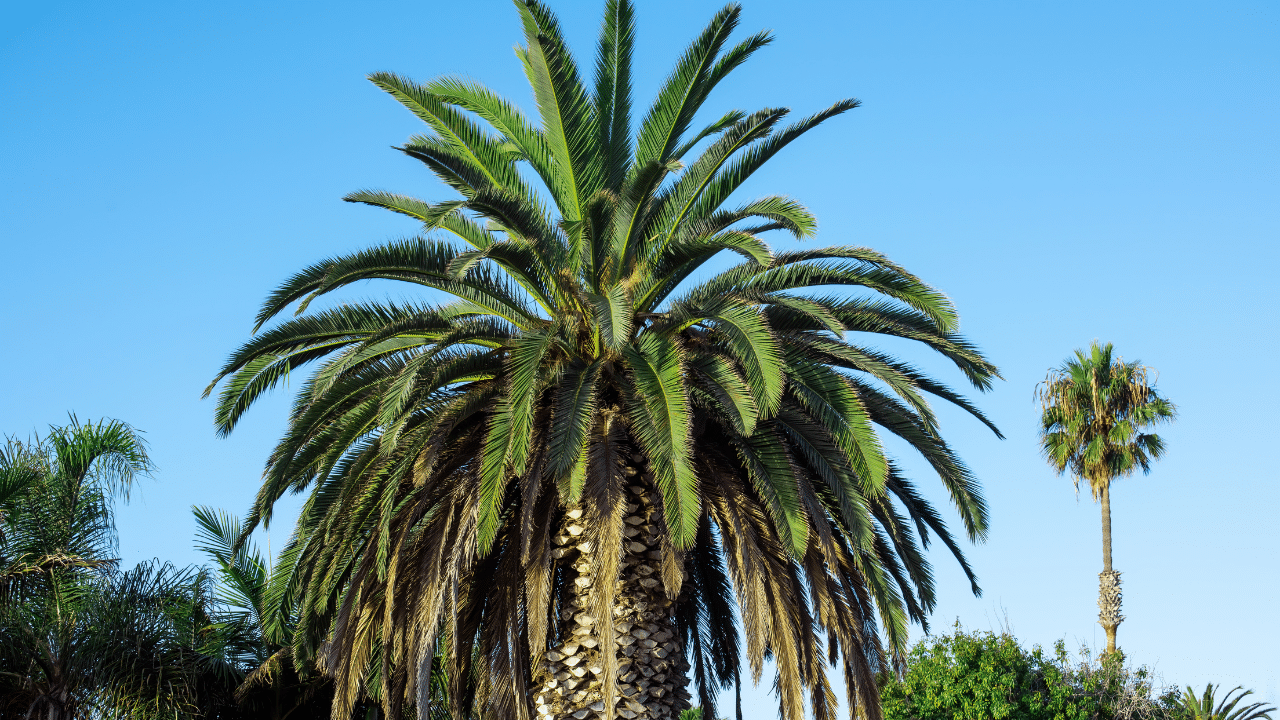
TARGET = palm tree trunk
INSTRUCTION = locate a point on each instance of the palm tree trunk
(652, 669)
(1105, 496)
(1109, 616)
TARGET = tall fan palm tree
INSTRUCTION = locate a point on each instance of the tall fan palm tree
(576, 471)
(1096, 408)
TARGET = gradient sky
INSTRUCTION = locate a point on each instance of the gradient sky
(1064, 171)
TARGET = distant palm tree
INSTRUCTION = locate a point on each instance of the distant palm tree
(1095, 409)
(1202, 708)
(581, 469)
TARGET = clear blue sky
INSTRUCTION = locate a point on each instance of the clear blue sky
(1065, 171)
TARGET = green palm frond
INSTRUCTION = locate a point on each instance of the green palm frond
(684, 91)
(1203, 708)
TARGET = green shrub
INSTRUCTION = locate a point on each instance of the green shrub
(985, 676)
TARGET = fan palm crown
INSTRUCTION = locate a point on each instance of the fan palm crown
(1096, 409)
(601, 422)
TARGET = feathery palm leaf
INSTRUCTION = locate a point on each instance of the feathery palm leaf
(1203, 708)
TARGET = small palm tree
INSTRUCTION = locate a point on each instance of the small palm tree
(248, 640)
(1202, 708)
(1096, 408)
(603, 448)
(240, 623)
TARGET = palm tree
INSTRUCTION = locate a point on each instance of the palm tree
(1202, 708)
(78, 636)
(575, 470)
(1095, 409)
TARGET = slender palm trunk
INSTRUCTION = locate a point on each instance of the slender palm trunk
(652, 670)
(1106, 528)
(1109, 616)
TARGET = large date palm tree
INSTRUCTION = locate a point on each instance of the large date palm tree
(1096, 408)
(557, 487)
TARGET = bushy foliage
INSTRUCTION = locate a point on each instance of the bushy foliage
(985, 676)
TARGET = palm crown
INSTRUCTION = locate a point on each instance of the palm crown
(578, 370)
(1202, 708)
(1096, 407)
